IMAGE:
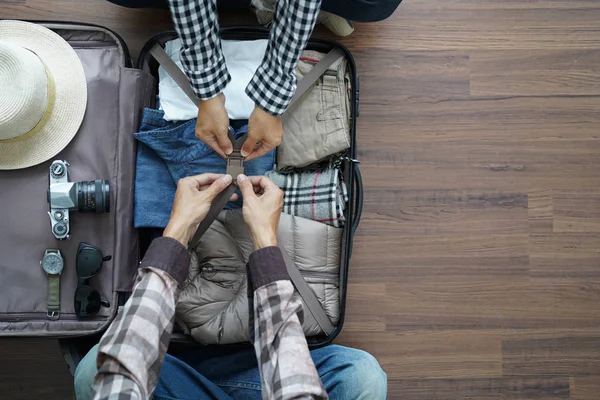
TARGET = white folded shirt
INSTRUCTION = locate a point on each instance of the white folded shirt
(243, 57)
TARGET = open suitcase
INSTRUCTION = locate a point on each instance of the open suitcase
(104, 148)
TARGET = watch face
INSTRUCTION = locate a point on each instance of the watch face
(52, 264)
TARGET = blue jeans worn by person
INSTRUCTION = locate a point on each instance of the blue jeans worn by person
(231, 372)
(354, 10)
(169, 151)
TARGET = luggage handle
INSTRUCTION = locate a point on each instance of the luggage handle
(358, 199)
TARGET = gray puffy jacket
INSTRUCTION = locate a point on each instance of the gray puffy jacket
(213, 305)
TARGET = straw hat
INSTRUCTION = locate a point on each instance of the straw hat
(43, 94)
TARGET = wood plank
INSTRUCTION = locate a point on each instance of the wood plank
(33, 369)
(585, 387)
(532, 83)
(514, 60)
(507, 302)
(577, 212)
(560, 352)
(415, 73)
(452, 25)
(506, 388)
(427, 354)
(540, 211)
(565, 255)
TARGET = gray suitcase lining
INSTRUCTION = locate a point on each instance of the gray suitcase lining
(103, 149)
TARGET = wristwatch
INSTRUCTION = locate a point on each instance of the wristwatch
(53, 264)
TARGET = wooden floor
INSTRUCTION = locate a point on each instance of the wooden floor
(476, 268)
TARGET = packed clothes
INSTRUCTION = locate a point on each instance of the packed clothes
(317, 195)
(242, 58)
(170, 151)
(317, 126)
(213, 304)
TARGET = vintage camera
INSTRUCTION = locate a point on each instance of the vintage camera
(92, 196)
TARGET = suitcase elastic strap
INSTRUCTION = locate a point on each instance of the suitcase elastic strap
(310, 299)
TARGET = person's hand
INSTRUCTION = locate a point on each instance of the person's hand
(212, 125)
(192, 201)
(264, 133)
(263, 202)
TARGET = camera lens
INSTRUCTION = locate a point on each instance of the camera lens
(93, 196)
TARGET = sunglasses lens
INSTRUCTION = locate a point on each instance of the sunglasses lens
(87, 301)
(89, 261)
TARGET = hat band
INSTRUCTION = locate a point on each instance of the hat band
(45, 117)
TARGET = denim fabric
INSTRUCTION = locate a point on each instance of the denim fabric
(170, 151)
(231, 372)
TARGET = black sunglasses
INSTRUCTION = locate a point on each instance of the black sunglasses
(89, 264)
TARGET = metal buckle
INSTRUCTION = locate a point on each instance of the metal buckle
(235, 161)
(53, 315)
(235, 165)
(353, 160)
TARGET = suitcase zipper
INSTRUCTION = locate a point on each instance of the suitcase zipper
(305, 274)
(24, 317)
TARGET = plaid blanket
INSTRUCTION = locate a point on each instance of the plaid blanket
(317, 195)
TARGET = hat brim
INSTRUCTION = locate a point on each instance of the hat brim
(70, 95)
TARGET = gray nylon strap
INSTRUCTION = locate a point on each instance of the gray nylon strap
(302, 87)
(174, 71)
(312, 76)
(217, 205)
(310, 299)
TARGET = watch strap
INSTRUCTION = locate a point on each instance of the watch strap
(53, 296)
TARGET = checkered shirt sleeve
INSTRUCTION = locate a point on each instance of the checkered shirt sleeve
(274, 83)
(133, 348)
(286, 368)
(202, 57)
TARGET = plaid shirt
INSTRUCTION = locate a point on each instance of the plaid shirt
(133, 348)
(274, 83)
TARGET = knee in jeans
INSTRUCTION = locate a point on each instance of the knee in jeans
(84, 375)
(363, 376)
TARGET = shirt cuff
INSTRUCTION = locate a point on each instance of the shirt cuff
(270, 90)
(169, 255)
(266, 266)
(209, 78)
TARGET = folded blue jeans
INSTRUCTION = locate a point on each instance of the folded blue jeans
(231, 372)
(169, 151)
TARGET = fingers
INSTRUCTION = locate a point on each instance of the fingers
(249, 144)
(218, 186)
(263, 149)
(212, 142)
(224, 142)
(262, 184)
(245, 184)
(204, 180)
